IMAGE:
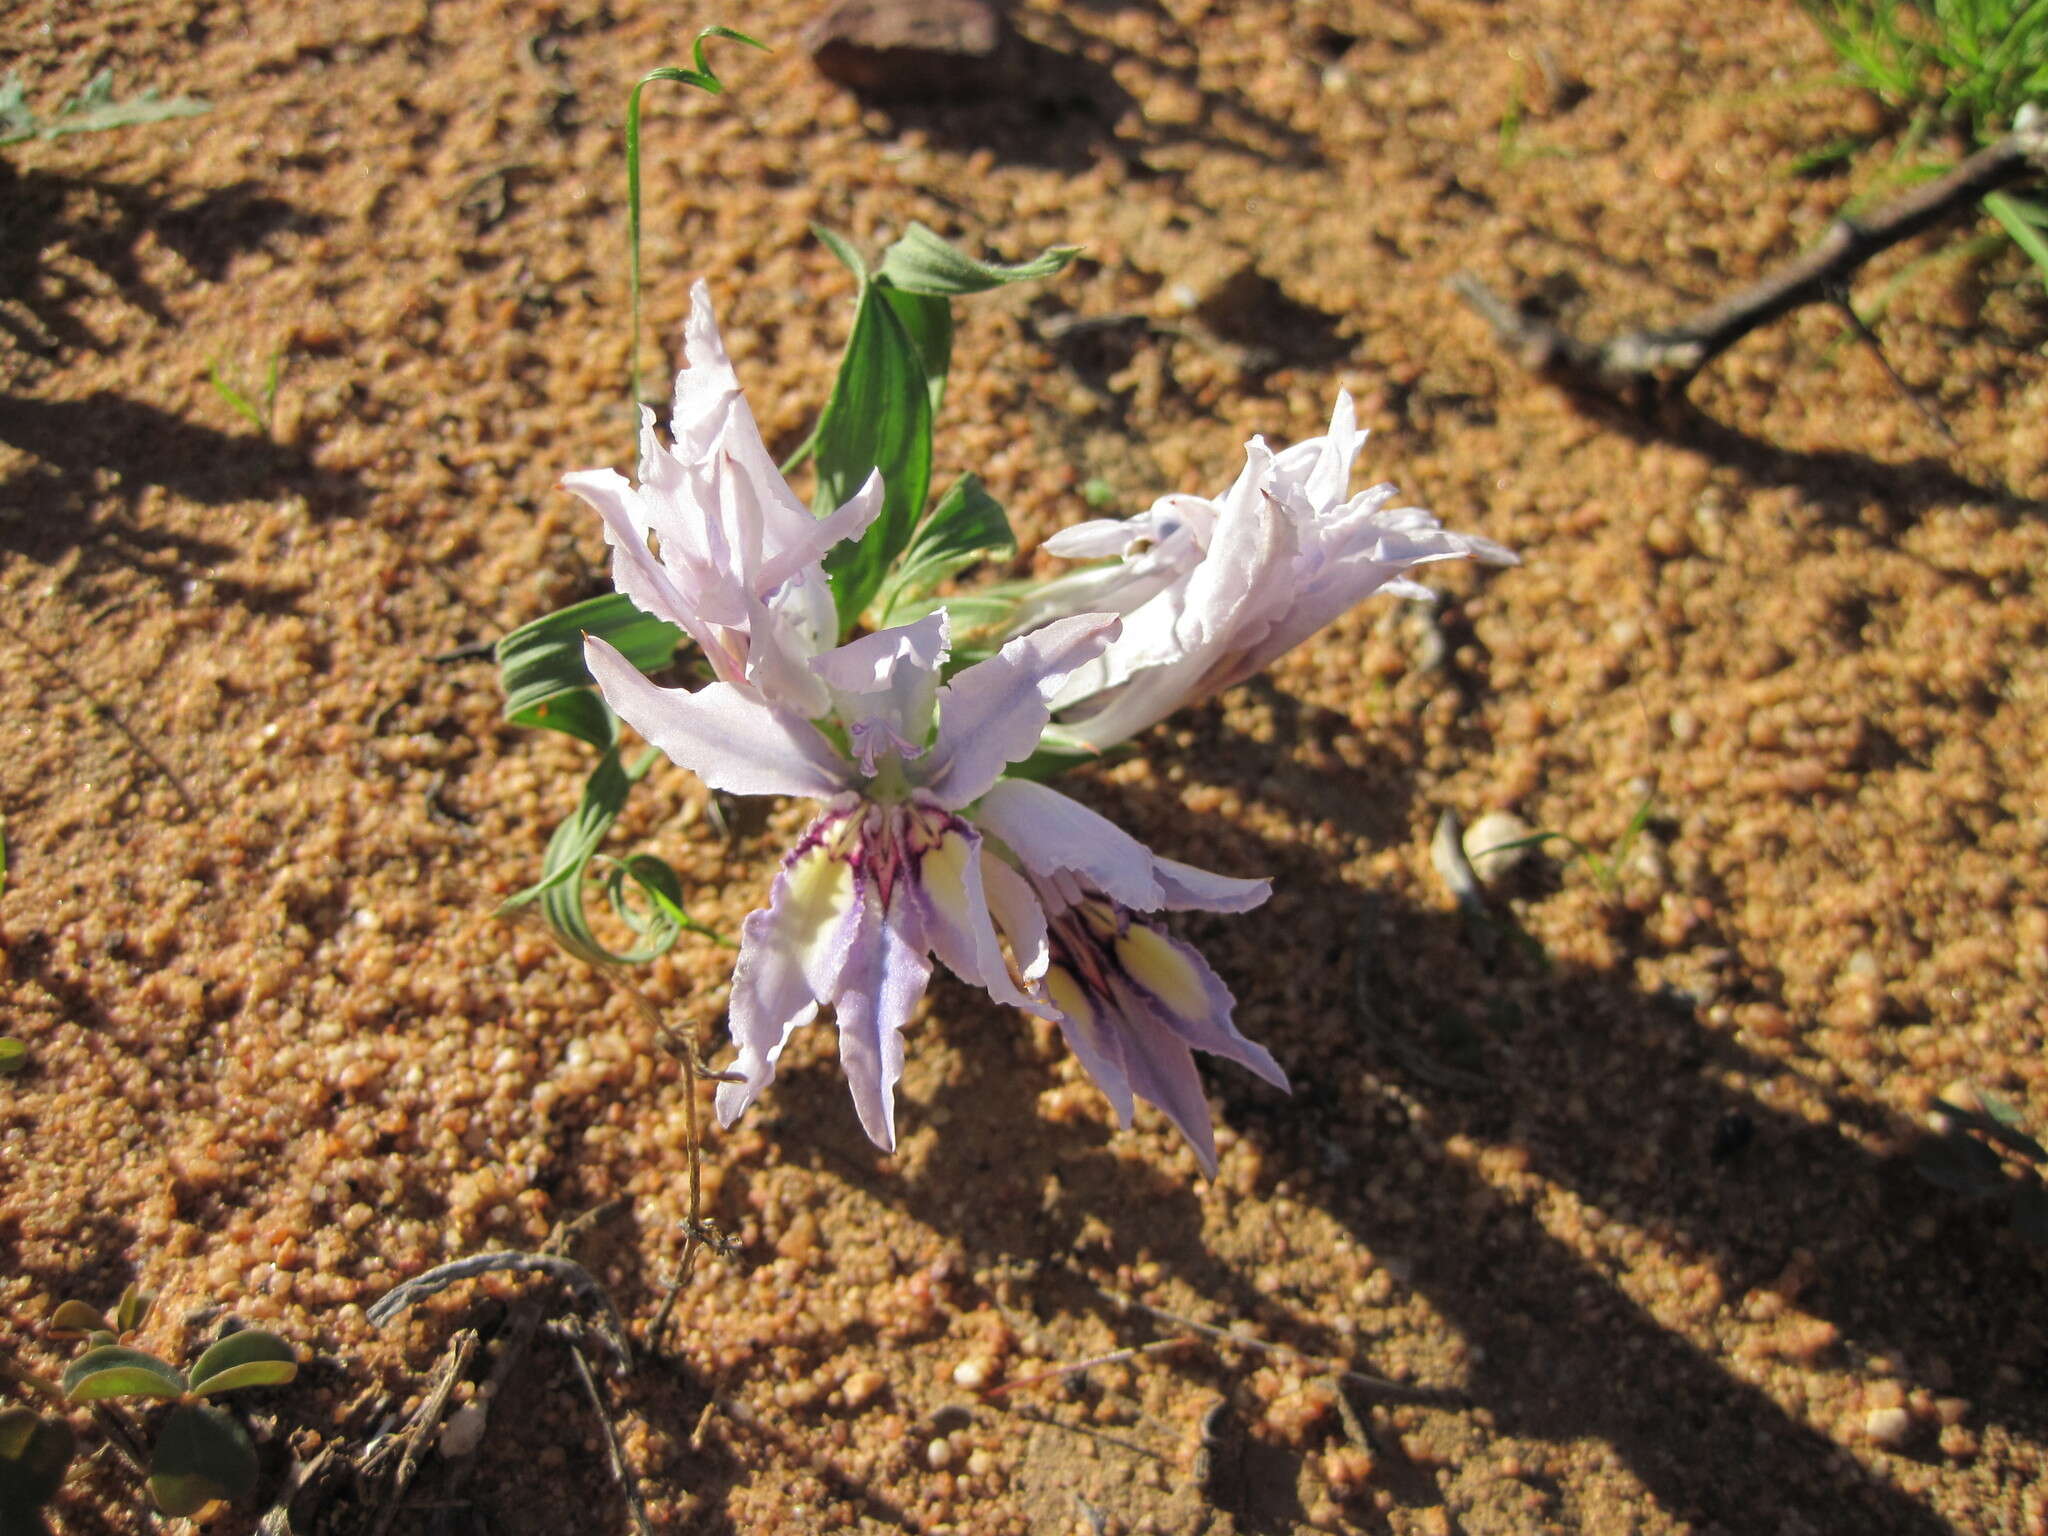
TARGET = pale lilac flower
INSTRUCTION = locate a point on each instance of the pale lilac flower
(713, 540)
(890, 872)
(1214, 591)
(920, 848)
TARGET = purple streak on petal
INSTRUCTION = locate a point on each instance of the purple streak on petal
(725, 733)
(992, 714)
(1049, 833)
(1188, 889)
(1015, 908)
(886, 973)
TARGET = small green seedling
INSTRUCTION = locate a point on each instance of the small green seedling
(92, 110)
(1968, 1152)
(13, 1055)
(201, 1453)
(260, 416)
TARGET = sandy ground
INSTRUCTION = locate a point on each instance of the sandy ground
(1623, 1219)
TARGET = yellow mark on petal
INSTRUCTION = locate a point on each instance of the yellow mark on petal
(1067, 996)
(820, 893)
(1165, 970)
(943, 874)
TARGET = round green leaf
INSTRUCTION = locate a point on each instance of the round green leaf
(34, 1454)
(114, 1370)
(202, 1455)
(75, 1317)
(251, 1358)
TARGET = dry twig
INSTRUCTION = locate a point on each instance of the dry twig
(1642, 369)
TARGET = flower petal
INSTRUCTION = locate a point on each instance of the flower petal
(1162, 1071)
(725, 733)
(1050, 833)
(792, 953)
(1095, 1039)
(849, 522)
(886, 973)
(1191, 998)
(954, 910)
(1014, 906)
(1188, 889)
(992, 714)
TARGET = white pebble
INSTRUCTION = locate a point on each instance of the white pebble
(972, 1373)
(939, 1454)
(1485, 842)
(1888, 1427)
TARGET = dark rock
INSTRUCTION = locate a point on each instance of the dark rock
(912, 50)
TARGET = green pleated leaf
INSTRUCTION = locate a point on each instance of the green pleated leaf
(35, 1453)
(928, 322)
(879, 417)
(923, 262)
(201, 1455)
(113, 1370)
(967, 525)
(251, 1358)
(540, 665)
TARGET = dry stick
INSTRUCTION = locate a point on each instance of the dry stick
(423, 1424)
(1114, 1357)
(614, 1453)
(1399, 1391)
(567, 1271)
(1644, 367)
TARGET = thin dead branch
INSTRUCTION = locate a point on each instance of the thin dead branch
(579, 1281)
(1642, 369)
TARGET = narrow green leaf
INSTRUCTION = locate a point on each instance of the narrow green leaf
(201, 1455)
(251, 1358)
(13, 1055)
(2011, 214)
(967, 525)
(561, 892)
(704, 80)
(35, 1453)
(132, 1308)
(540, 665)
(879, 417)
(924, 262)
(113, 1370)
(577, 838)
(928, 322)
(663, 919)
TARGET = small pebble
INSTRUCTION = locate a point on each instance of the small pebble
(939, 1454)
(1888, 1427)
(972, 1373)
(1485, 845)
